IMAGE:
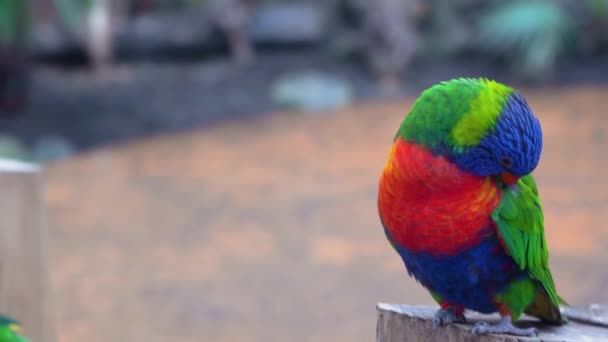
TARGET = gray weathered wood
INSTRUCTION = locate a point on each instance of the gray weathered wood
(594, 314)
(25, 290)
(414, 323)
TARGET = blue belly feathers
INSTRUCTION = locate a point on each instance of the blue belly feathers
(470, 278)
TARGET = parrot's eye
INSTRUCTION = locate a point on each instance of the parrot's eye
(506, 162)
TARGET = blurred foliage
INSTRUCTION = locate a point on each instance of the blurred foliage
(12, 19)
(598, 9)
(595, 37)
(12, 148)
(73, 12)
(8, 25)
(14, 81)
(447, 30)
(530, 34)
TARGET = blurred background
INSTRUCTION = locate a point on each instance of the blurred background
(211, 166)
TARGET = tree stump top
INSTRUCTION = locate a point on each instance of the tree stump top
(414, 323)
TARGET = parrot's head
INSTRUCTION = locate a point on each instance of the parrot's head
(483, 126)
(510, 145)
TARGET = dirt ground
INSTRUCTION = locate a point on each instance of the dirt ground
(265, 228)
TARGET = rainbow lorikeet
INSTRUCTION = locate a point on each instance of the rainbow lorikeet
(458, 202)
(9, 330)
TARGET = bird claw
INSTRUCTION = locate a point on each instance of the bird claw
(503, 327)
(447, 316)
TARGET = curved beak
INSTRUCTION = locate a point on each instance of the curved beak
(508, 178)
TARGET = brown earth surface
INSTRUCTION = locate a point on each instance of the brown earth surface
(266, 229)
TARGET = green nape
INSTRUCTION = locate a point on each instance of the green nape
(455, 113)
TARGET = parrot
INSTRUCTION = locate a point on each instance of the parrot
(458, 202)
(9, 330)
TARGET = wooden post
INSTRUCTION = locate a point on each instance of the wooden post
(413, 323)
(25, 288)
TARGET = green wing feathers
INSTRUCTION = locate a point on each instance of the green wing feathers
(520, 223)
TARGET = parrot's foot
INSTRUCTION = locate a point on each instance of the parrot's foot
(505, 326)
(447, 316)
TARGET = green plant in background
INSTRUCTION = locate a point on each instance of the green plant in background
(73, 12)
(10, 330)
(598, 7)
(12, 147)
(14, 69)
(12, 20)
(8, 20)
(449, 30)
(531, 34)
(595, 26)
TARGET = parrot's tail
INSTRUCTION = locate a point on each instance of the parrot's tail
(545, 309)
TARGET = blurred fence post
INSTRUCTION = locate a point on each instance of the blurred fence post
(25, 286)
